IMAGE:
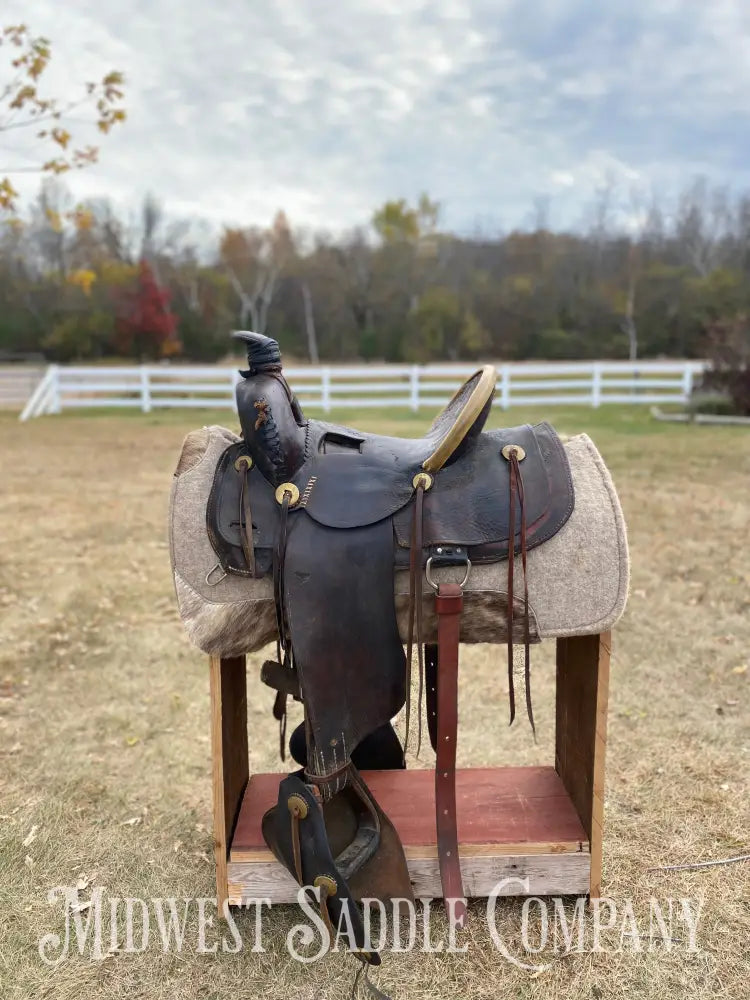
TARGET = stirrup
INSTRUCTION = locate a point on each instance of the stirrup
(295, 831)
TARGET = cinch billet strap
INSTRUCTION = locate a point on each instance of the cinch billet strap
(448, 605)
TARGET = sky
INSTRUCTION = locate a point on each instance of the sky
(327, 108)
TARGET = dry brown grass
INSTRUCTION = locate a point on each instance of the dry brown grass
(104, 718)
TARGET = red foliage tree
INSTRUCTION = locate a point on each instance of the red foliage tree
(146, 326)
(728, 342)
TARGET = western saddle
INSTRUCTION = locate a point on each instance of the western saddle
(331, 512)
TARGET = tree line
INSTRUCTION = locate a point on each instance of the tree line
(84, 282)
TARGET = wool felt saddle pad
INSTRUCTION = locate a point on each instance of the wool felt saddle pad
(578, 579)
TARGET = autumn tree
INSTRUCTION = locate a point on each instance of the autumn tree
(729, 353)
(146, 326)
(397, 221)
(664, 281)
(254, 259)
(26, 109)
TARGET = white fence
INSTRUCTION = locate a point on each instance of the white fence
(17, 382)
(148, 387)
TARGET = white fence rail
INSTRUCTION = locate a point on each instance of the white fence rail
(148, 387)
(17, 382)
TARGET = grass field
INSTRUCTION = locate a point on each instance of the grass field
(104, 721)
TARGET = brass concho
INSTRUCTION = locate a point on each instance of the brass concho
(289, 488)
(326, 883)
(243, 461)
(510, 448)
(297, 806)
(422, 479)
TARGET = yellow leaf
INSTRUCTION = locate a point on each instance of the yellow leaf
(8, 194)
(61, 137)
(83, 279)
(83, 218)
(740, 670)
(23, 95)
(55, 220)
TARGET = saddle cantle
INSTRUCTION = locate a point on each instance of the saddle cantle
(328, 512)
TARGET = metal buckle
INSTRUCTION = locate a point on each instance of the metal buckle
(435, 586)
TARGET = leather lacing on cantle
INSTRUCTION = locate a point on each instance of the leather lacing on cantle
(511, 452)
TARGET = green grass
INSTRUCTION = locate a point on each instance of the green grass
(615, 418)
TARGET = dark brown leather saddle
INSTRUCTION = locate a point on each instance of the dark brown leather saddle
(330, 512)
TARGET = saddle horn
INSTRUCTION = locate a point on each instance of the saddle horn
(272, 422)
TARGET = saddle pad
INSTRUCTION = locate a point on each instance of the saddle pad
(578, 579)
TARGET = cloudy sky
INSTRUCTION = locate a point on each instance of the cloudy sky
(328, 107)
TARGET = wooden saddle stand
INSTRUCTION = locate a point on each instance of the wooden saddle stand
(330, 514)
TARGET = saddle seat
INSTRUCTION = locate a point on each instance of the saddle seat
(450, 435)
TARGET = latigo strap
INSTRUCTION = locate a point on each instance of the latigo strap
(514, 455)
(448, 605)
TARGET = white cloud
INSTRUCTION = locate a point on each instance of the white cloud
(584, 85)
(237, 108)
(562, 178)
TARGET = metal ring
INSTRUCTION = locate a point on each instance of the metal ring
(213, 583)
(243, 460)
(435, 586)
(510, 448)
(293, 492)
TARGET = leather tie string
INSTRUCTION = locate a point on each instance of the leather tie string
(246, 521)
(282, 643)
(297, 813)
(279, 713)
(415, 611)
(279, 556)
(517, 497)
(370, 987)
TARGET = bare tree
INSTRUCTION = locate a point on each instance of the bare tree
(628, 324)
(151, 219)
(703, 222)
(253, 260)
(602, 210)
(312, 343)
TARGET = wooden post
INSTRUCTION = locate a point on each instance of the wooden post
(229, 755)
(581, 734)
